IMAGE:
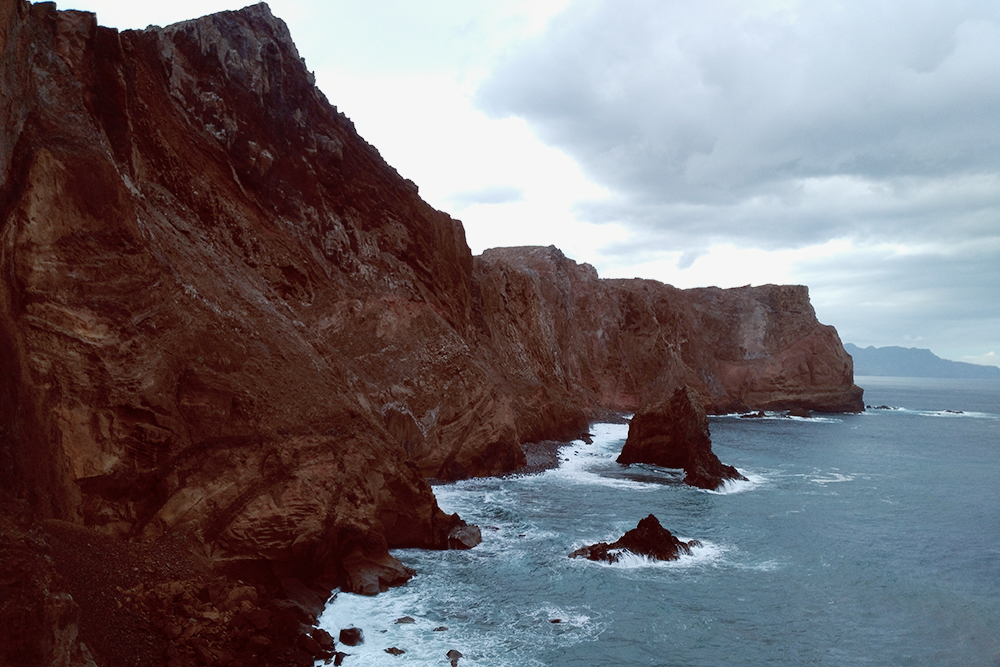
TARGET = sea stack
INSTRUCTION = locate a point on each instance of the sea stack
(648, 539)
(674, 434)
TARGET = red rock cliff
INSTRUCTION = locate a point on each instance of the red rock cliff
(207, 276)
(565, 341)
(225, 319)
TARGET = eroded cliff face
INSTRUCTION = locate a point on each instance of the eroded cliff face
(224, 319)
(568, 341)
(206, 273)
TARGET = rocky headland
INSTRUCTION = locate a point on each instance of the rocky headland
(235, 344)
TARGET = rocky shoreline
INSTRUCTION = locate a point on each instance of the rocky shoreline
(230, 331)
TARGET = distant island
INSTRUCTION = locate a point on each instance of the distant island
(914, 362)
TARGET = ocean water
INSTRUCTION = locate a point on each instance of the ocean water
(869, 539)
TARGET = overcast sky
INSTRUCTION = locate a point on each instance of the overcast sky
(852, 146)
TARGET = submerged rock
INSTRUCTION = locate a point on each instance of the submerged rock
(674, 434)
(648, 539)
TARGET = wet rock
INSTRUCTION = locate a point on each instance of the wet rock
(453, 657)
(324, 639)
(395, 651)
(464, 537)
(310, 646)
(369, 573)
(648, 539)
(405, 620)
(351, 636)
(309, 600)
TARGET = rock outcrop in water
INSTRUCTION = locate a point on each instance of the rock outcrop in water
(674, 434)
(648, 539)
(227, 324)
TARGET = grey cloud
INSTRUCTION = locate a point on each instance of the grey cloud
(699, 114)
(688, 257)
(950, 300)
(903, 211)
(724, 122)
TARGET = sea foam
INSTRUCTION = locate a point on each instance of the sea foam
(705, 554)
(732, 486)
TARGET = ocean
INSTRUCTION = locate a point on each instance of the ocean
(867, 539)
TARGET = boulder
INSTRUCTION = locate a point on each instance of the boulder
(351, 636)
(674, 434)
(370, 573)
(648, 539)
(324, 639)
(464, 537)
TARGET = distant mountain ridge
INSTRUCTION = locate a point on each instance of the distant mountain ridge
(914, 362)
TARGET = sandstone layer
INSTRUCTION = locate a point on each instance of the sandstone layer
(227, 323)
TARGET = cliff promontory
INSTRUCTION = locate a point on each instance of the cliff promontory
(230, 331)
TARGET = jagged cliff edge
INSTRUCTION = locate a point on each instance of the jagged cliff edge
(225, 320)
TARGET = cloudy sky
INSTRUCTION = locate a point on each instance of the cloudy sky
(849, 145)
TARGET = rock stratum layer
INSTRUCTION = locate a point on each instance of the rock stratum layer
(225, 320)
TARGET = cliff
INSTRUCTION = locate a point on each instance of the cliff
(566, 342)
(227, 323)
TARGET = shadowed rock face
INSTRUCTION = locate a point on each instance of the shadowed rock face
(674, 434)
(224, 319)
